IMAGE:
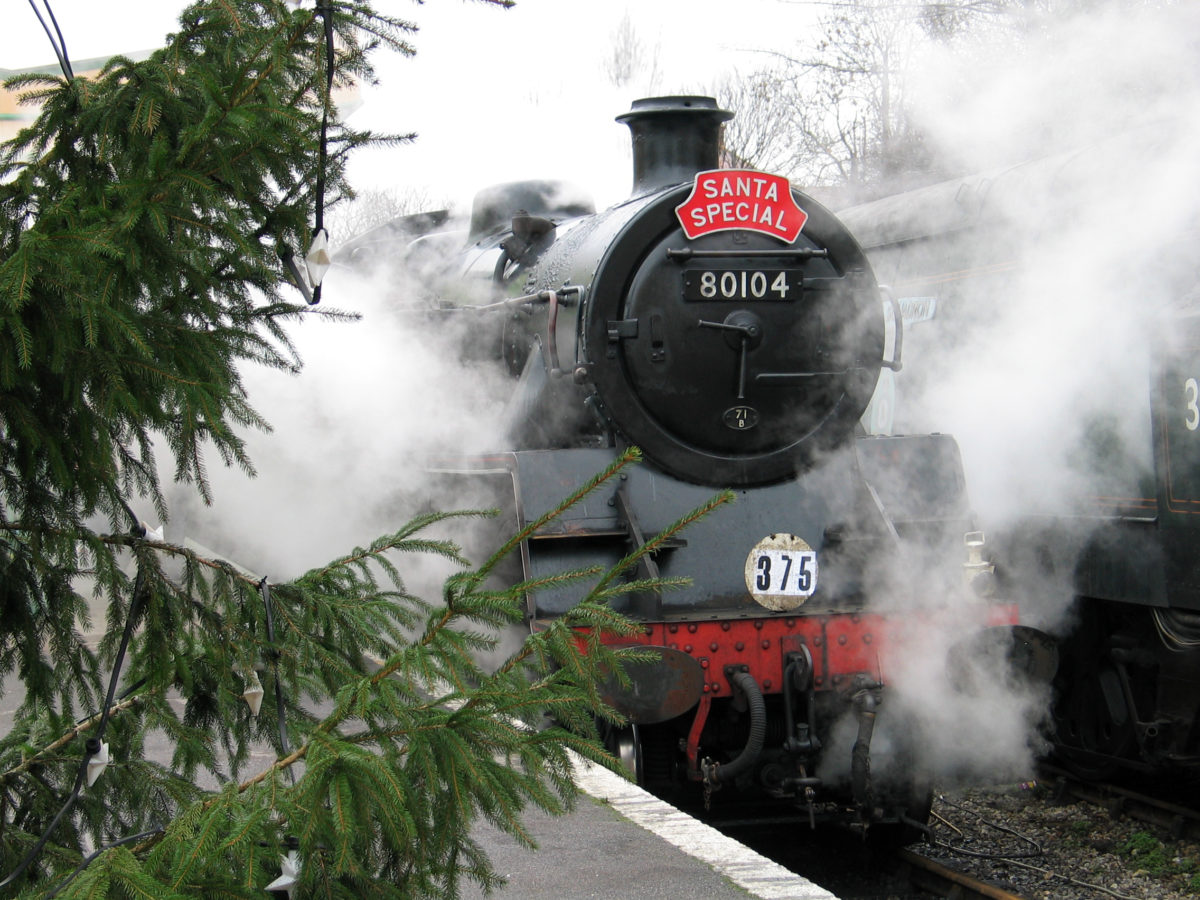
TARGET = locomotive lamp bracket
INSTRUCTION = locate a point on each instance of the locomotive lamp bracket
(799, 666)
(978, 574)
(649, 603)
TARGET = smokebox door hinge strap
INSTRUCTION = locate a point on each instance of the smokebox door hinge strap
(619, 329)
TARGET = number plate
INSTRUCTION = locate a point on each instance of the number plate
(741, 285)
(781, 572)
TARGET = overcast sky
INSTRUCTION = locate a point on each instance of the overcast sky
(494, 94)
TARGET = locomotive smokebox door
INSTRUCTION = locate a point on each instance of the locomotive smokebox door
(742, 353)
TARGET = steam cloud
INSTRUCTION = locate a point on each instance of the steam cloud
(347, 459)
(1046, 386)
(1063, 344)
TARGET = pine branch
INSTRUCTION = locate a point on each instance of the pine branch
(86, 725)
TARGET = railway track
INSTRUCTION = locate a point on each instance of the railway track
(1027, 841)
(942, 881)
(842, 863)
(1060, 838)
(1181, 822)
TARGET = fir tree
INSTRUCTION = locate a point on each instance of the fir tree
(146, 218)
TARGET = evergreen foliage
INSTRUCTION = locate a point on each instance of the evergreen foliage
(143, 219)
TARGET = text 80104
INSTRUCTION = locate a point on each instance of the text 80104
(741, 286)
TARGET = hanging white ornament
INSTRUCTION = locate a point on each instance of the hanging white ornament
(97, 763)
(290, 872)
(253, 693)
(318, 259)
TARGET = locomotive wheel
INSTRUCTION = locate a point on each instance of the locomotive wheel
(1093, 724)
(916, 798)
(894, 835)
(626, 745)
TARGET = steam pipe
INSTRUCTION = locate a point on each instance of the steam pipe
(758, 729)
(560, 297)
(865, 704)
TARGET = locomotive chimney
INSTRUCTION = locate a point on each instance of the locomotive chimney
(673, 139)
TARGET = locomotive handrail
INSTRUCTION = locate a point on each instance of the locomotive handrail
(781, 377)
(898, 324)
(552, 334)
(688, 253)
(559, 296)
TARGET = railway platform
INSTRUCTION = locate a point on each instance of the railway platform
(622, 843)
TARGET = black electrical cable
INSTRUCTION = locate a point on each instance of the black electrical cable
(129, 839)
(325, 11)
(60, 46)
(280, 705)
(93, 744)
(979, 854)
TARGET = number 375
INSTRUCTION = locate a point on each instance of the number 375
(785, 573)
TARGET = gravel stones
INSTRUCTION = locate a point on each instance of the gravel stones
(1024, 839)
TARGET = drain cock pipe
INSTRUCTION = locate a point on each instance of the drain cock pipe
(866, 701)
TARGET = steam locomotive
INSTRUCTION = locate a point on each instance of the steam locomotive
(731, 328)
(1109, 549)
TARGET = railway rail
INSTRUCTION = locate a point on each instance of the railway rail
(1181, 822)
(941, 881)
(842, 863)
(1061, 839)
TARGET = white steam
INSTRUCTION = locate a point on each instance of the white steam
(353, 434)
(1047, 387)
(1061, 349)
